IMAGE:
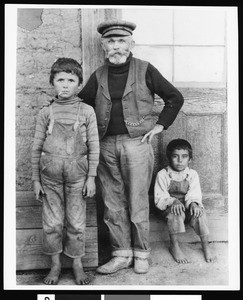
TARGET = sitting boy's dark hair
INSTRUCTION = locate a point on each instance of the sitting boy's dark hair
(178, 144)
(67, 65)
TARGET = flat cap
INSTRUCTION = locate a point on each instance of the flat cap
(116, 27)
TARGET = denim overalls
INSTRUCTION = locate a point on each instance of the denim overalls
(63, 170)
(179, 189)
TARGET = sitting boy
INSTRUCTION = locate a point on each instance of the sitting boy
(178, 194)
(65, 157)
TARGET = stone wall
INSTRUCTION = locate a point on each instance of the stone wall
(43, 36)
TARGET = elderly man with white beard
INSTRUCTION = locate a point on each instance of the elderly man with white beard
(122, 94)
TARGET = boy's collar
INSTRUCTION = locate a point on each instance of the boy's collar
(186, 171)
(66, 102)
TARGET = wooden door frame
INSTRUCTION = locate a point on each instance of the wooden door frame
(92, 53)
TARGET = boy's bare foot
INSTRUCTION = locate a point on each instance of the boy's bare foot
(53, 275)
(207, 252)
(178, 255)
(80, 277)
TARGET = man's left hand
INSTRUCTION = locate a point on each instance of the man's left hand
(149, 136)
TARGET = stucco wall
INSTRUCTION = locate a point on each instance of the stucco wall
(43, 36)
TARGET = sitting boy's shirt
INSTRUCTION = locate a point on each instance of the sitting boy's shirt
(66, 112)
(163, 199)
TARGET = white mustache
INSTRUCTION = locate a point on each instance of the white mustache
(113, 52)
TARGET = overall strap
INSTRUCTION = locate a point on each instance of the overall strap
(167, 170)
(50, 127)
(76, 124)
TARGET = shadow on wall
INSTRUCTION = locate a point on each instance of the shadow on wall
(29, 19)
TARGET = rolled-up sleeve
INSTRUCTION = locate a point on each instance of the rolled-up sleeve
(194, 193)
(162, 198)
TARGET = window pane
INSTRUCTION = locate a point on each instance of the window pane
(160, 57)
(154, 26)
(199, 27)
(201, 64)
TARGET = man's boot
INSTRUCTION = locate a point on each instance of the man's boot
(115, 264)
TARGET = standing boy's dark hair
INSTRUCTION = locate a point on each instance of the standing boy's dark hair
(178, 144)
(67, 65)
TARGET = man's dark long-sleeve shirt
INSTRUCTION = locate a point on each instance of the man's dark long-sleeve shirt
(117, 79)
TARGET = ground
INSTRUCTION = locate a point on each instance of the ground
(164, 271)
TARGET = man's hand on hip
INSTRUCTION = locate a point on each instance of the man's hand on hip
(149, 136)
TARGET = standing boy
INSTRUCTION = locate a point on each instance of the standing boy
(178, 194)
(65, 156)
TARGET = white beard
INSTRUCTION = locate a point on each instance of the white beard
(117, 59)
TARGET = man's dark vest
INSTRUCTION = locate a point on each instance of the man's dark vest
(137, 100)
